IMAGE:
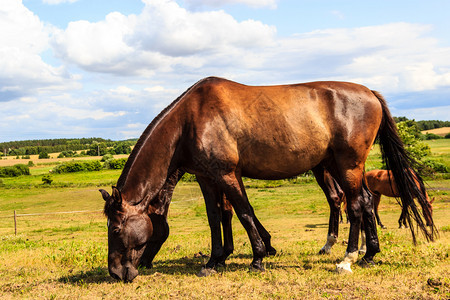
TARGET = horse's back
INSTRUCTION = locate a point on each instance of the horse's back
(380, 181)
(293, 127)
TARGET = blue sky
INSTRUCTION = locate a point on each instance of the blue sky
(105, 68)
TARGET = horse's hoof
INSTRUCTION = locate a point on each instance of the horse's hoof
(383, 227)
(220, 264)
(340, 270)
(252, 269)
(271, 251)
(362, 251)
(204, 272)
(366, 263)
(324, 251)
(255, 267)
(343, 268)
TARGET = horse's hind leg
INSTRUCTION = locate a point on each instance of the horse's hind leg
(402, 221)
(227, 215)
(352, 185)
(334, 197)
(370, 228)
(376, 202)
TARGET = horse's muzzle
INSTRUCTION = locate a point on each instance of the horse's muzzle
(124, 273)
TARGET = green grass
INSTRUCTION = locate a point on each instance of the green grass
(65, 255)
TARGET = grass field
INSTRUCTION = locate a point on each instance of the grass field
(439, 131)
(56, 256)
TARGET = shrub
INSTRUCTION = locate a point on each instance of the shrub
(43, 155)
(78, 166)
(410, 134)
(116, 164)
(447, 136)
(122, 148)
(47, 179)
(436, 166)
(432, 136)
(187, 177)
(14, 171)
(107, 157)
(69, 153)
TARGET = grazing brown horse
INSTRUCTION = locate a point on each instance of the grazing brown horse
(221, 130)
(381, 182)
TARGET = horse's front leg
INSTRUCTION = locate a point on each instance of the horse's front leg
(235, 193)
(158, 215)
(213, 198)
(161, 233)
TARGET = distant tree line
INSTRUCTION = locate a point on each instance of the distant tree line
(425, 125)
(67, 147)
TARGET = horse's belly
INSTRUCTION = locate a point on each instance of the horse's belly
(280, 162)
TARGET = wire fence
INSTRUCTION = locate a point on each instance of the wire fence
(16, 215)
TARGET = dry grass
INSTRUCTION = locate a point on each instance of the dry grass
(12, 160)
(439, 131)
(64, 256)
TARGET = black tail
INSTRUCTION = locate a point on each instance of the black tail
(402, 165)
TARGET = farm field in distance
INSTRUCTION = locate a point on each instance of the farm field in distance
(439, 131)
(57, 256)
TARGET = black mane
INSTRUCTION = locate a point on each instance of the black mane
(144, 136)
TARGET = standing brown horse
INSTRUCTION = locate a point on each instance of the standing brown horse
(221, 130)
(381, 182)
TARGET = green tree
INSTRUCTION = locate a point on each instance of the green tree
(410, 134)
(43, 155)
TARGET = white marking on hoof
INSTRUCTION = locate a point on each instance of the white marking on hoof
(204, 272)
(344, 267)
(331, 240)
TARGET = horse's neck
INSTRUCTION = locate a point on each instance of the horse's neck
(160, 204)
(151, 165)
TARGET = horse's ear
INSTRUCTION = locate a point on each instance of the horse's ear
(105, 194)
(117, 196)
(432, 200)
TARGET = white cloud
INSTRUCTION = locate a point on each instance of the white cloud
(135, 65)
(53, 2)
(158, 39)
(24, 38)
(216, 3)
(392, 57)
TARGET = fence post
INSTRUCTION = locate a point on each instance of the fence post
(15, 223)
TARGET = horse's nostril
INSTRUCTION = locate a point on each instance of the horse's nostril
(130, 274)
(115, 276)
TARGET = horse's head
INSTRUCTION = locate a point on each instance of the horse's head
(129, 230)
